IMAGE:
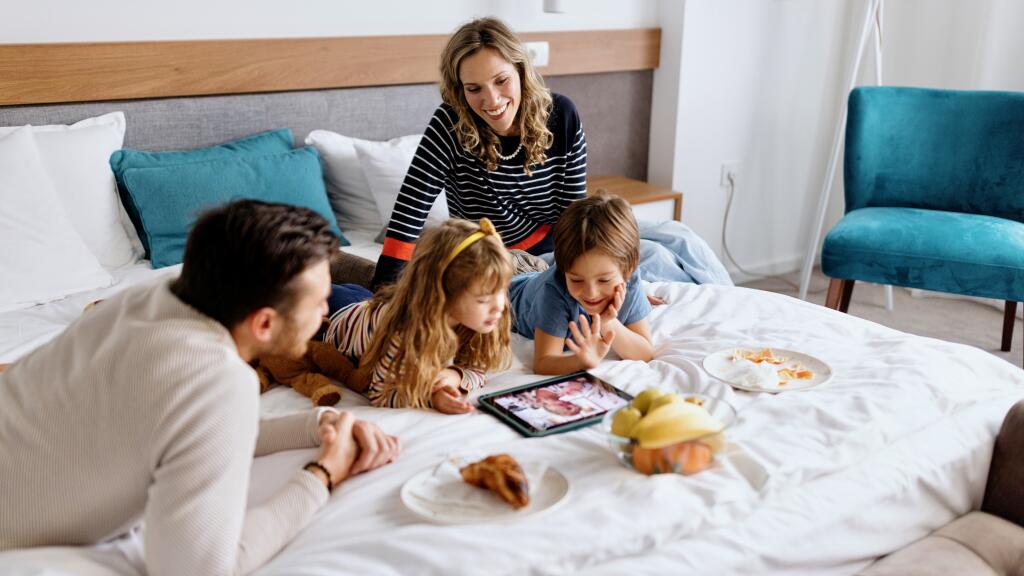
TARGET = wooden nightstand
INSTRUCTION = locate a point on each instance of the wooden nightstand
(637, 192)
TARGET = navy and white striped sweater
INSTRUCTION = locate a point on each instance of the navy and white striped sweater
(522, 207)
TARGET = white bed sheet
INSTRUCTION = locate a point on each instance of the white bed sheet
(813, 482)
(22, 331)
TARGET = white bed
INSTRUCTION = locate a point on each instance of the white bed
(814, 482)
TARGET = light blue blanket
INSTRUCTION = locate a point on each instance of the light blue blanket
(671, 252)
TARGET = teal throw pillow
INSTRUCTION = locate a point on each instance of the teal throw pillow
(257, 144)
(168, 197)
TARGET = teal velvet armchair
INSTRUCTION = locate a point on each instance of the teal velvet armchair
(934, 184)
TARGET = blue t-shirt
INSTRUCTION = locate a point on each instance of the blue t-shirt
(541, 300)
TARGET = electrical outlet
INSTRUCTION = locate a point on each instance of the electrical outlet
(538, 52)
(554, 6)
(730, 170)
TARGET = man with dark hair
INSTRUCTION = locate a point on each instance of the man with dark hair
(146, 408)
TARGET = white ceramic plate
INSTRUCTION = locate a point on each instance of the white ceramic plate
(720, 365)
(549, 494)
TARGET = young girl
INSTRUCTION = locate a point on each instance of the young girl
(597, 248)
(432, 336)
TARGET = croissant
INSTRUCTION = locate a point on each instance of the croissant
(502, 475)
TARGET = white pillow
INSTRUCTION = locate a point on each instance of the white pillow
(77, 160)
(384, 165)
(43, 257)
(347, 189)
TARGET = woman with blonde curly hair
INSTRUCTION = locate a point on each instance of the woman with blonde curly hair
(431, 337)
(500, 145)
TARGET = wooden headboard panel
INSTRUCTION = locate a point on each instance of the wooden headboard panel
(196, 93)
(51, 73)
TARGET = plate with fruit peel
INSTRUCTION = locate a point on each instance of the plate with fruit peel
(766, 369)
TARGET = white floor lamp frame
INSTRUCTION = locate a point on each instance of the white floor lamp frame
(872, 23)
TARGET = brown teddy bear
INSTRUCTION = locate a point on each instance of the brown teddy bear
(310, 375)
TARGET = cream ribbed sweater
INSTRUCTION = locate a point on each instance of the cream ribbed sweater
(143, 410)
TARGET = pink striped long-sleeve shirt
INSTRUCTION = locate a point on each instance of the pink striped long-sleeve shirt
(351, 332)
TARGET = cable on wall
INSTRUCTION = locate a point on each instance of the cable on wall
(731, 187)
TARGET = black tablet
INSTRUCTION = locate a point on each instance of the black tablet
(555, 405)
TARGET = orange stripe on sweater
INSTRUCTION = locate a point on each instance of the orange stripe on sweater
(398, 249)
(533, 239)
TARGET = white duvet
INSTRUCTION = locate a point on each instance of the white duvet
(813, 482)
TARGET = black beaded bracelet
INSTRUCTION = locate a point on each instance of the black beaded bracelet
(315, 464)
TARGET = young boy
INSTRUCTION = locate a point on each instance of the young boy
(597, 248)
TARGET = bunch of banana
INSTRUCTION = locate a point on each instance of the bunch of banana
(655, 419)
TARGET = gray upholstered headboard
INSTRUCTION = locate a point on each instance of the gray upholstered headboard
(615, 108)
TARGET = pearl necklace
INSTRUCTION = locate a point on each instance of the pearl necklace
(497, 151)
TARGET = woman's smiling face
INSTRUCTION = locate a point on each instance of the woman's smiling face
(492, 88)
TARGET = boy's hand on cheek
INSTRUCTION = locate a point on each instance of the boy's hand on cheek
(611, 311)
(588, 342)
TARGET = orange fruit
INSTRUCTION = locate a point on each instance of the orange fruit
(645, 460)
(687, 458)
(684, 458)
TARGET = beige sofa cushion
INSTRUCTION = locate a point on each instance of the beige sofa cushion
(976, 543)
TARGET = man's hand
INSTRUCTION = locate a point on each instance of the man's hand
(588, 343)
(375, 447)
(337, 445)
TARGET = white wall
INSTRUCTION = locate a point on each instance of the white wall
(969, 44)
(31, 21)
(757, 86)
(762, 82)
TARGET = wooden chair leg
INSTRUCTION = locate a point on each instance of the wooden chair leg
(839, 293)
(834, 294)
(844, 304)
(1009, 321)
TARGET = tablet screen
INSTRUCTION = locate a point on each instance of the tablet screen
(552, 405)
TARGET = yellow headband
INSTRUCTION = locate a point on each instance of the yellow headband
(486, 228)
